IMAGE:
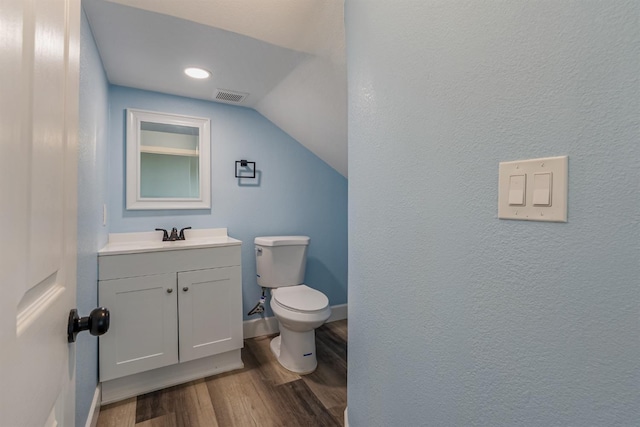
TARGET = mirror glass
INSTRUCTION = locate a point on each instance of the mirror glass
(167, 161)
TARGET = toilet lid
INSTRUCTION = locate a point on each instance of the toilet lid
(300, 297)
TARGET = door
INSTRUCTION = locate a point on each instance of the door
(210, 310)
(143, 334)
(39, 48)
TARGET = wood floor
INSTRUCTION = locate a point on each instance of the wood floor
(261, 394)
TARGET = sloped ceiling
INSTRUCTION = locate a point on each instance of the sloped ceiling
(288, 55)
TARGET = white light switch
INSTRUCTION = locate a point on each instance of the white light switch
(533, 189)
(517, 185)
(542, 189)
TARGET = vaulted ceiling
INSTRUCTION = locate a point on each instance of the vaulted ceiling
(287, 55)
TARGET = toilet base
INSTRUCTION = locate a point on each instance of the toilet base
(296, 351)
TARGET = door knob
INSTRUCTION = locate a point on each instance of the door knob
(97, 323)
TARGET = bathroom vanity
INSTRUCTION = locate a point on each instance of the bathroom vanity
(176, 310)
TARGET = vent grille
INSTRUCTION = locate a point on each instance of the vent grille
(229, 96)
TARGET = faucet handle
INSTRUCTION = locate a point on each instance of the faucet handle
(182, 233)
(165, 235)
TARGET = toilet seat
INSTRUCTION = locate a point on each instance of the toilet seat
(300, 298)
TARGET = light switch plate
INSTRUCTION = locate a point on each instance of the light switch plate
(557, 211)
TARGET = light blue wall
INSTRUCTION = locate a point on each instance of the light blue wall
(457, 318)
(297, 192)
(92, 194)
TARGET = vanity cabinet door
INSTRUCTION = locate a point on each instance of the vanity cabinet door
(210, 307)
(143, 332)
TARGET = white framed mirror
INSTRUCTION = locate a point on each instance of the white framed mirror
(168, 161)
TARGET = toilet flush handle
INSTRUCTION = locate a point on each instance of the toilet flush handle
(258, 251)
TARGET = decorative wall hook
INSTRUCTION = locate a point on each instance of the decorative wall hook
(248, 165)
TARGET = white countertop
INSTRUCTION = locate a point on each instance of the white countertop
(151, 241)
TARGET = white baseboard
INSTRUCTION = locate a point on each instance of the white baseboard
(94, 410)
(261, 326)
(338, 312)
(269, 325)
(346, 417)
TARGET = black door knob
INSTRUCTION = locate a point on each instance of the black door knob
(97, 323)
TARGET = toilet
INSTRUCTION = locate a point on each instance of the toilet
(299, 309)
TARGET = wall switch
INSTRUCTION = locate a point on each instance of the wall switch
(517, 185)
(542, 189)
(533, 190)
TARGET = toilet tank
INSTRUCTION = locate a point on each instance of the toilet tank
(281, 260)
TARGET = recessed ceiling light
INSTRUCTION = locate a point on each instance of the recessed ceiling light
(197, 73)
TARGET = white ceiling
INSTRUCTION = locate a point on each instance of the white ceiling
(289, 55)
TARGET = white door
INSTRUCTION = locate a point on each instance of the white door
(39, 48)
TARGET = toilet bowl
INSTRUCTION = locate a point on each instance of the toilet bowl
(299, 309)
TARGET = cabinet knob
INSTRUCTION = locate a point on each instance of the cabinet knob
(169, 290)
(186, 288)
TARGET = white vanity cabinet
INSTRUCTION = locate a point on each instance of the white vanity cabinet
(176, 312)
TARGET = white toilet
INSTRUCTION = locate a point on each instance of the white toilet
(280, 265)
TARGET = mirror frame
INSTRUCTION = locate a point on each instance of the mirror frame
(134, 200)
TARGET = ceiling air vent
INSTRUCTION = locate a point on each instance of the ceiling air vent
(229, 96)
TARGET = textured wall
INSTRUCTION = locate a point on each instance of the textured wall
(92, 194)
(457, 318)
(297, 193)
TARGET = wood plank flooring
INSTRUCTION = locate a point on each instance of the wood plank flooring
(263, 393)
